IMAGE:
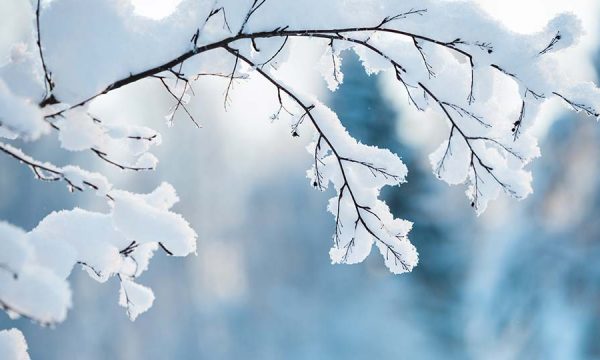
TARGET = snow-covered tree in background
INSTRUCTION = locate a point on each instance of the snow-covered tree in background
(449, 58)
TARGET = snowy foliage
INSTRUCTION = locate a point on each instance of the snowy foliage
(36, 264)
(447, 57)
(13, 345)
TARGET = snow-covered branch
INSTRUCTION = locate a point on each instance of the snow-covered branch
(446, 57)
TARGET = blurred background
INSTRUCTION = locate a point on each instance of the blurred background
(521, 281)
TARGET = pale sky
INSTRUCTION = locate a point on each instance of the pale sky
(532, 15)
(155, 9)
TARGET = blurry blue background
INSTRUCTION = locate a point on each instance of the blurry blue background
(522, 281)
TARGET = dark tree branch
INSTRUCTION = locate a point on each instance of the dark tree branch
(552, 43)
(476, 160)
(374, 169)
(352, 35)
(255, 6)
(88, 266)
(278, 32)
(104, 156)
(48, 83)
(162, 246)
(46, 173)
(11, 308)
(214, 12)
(179, 100)
(401, 16)
(128, 302)
(579, 107)
(276, 53)
(425, 62)
(230, 83)
(9, 270)
(318, 182)
(361, 211)
(333, 62)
